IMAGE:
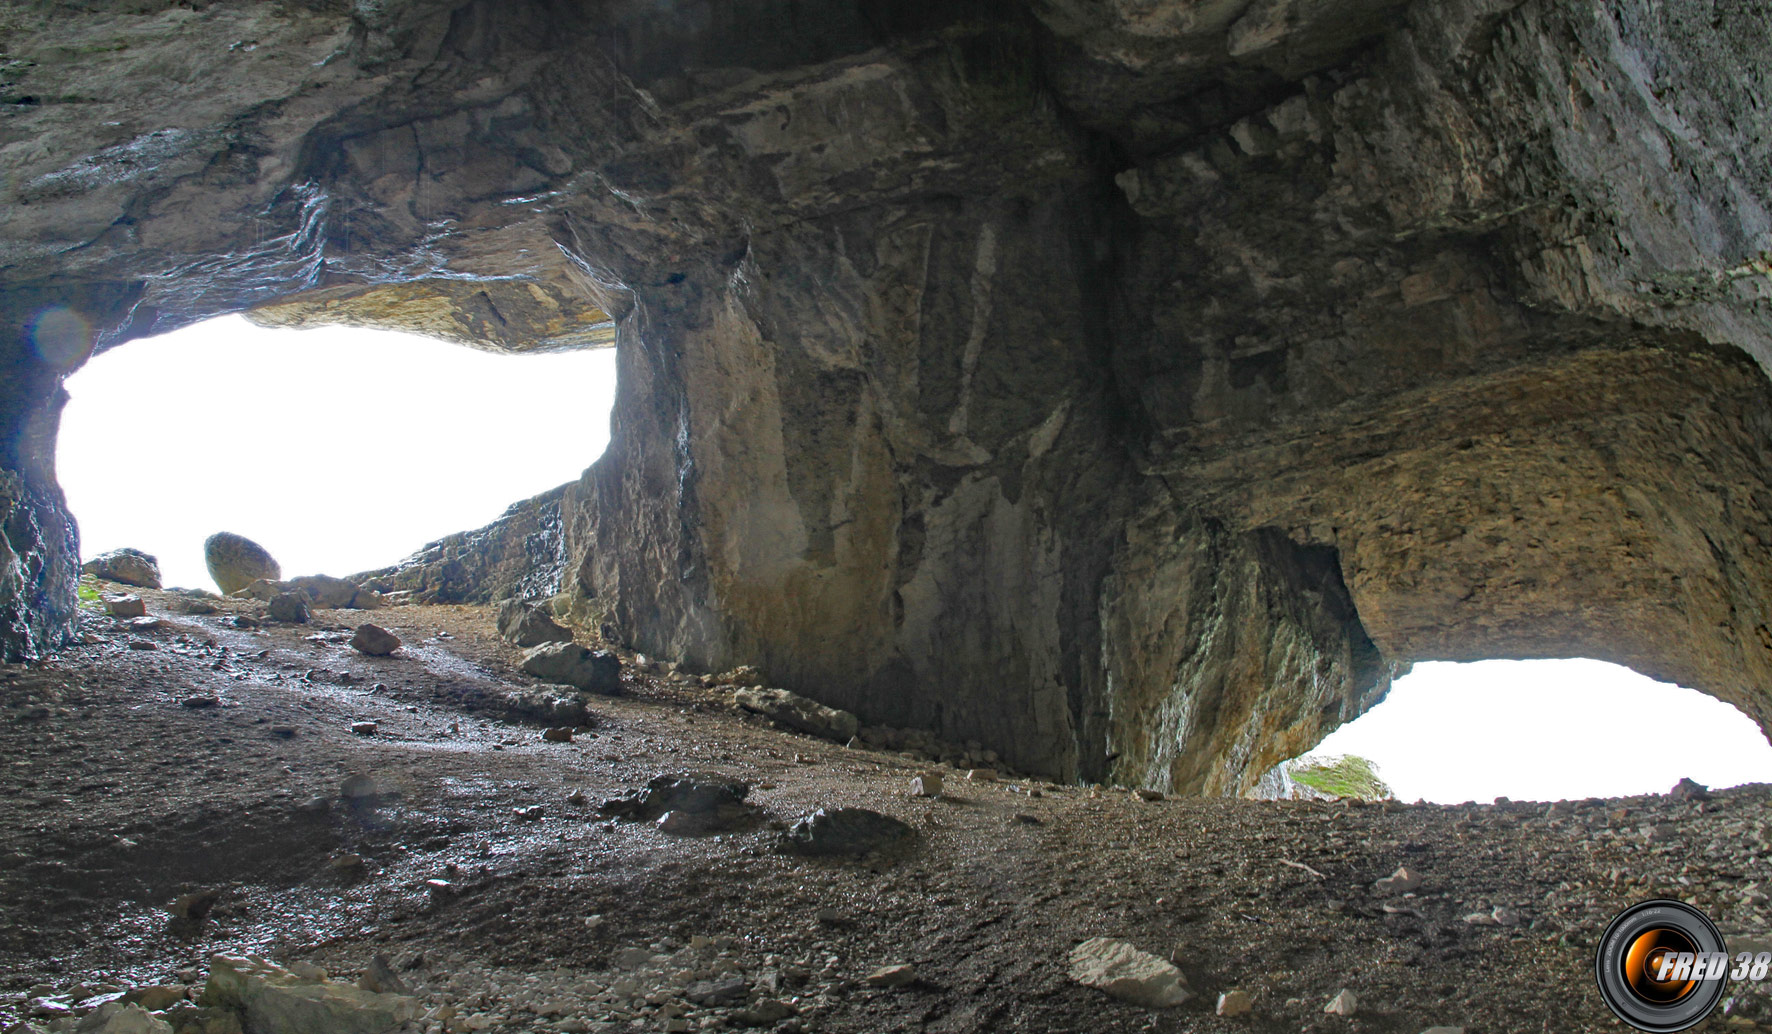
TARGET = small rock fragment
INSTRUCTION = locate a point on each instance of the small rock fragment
(562, 734)
(127, 605)
(156, 997)
(802, 713)
(1345, 1003)
(1148, 795)
(261, 589)
(289, 608)
(1235, 1003)
(1400, 882)
(195, 905)
(926, 785)
(363, 728)
(764, 1013)
(722, 991)
(892, 976)
(1128, 974)
(555, 705)
(360, 787)
(201, 700)
(529, 624)
(743, 675)
(374, 640)
(982, 775)
(379, 977)
(1689, 790)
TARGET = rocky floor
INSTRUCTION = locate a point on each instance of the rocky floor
(212, 769)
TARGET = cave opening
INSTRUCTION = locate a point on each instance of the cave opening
(339, 449)
(1543, 730)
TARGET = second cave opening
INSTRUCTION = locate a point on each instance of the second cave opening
(1547, 730)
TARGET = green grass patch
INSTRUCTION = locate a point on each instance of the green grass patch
(87, 590)
(1347, 776)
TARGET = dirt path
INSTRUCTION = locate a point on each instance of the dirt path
(120, 797)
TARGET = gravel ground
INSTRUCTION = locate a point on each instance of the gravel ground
(222, 761)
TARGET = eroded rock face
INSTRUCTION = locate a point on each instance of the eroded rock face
(1131, 388)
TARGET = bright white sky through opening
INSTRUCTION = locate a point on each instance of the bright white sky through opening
(339, 450)
(1548, 730)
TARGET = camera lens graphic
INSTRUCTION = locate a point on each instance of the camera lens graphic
(1628, 966)
(1643, 961)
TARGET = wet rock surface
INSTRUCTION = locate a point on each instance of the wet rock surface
(566, 918)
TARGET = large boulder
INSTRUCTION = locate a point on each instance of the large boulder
(688, 803)
(799, 712)
(595, 671)
(121, 1018)
(128, 566)
(272, 1000)
(845, 831)
(324, 590)
(236, 561)
(528, 624)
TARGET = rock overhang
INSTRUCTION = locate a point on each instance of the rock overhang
(1131, 387)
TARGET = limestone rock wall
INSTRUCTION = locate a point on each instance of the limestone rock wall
(1135, 388)
(523, 555)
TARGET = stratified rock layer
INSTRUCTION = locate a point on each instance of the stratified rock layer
(1133, 389)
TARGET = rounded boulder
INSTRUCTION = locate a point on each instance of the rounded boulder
(236, 561)
(127, 566)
